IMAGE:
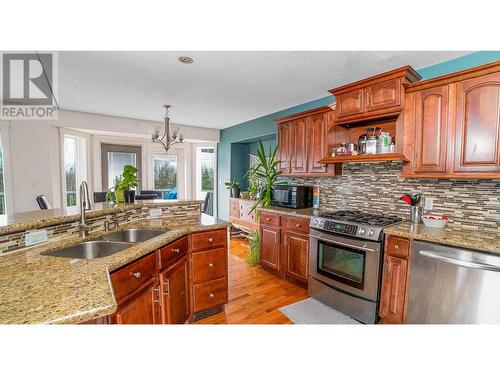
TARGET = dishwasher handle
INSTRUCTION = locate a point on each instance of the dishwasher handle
(459, 262)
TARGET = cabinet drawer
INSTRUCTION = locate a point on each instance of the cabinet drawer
(205, 240)
(267, 218)
(398, 246)
(296, 224)
(129, 278)
(211, 294)
(209, 265)
(173, 251)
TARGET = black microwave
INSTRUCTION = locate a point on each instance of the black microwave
(292, 196)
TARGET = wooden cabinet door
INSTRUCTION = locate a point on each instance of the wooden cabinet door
(392, 300)
(297, 256)
(477, 126)
(318, 143)
(298, 143)
(174, 292)
(284, 152)
(350, 103)
(431, 130)
(142, 308)
(382, 95)
(270, 247)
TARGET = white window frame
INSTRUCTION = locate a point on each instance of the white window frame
(83, 162)
(148, 176)
(7, 172)
(194, 171)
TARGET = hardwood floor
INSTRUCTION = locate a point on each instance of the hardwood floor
(255, 295)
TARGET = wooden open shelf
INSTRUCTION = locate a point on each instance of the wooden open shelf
(365, 158)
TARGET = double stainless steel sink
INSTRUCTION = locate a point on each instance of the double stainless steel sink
(106, 245)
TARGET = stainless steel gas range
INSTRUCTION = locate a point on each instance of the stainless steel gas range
(346, 252)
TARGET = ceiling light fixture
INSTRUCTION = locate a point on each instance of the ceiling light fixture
(185, 60)
(165, 139)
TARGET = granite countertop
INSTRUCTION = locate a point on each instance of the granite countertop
(476, 240)
(304, 213)
(38, 219)
(35, 288)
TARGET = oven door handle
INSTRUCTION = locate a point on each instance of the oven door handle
(328, 240)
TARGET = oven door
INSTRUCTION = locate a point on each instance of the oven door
(345, 263)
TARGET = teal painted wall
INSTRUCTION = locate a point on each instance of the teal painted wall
(263, 127)
(266, 143)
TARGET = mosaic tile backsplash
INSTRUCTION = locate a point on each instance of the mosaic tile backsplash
(179, 213)
(377, 187)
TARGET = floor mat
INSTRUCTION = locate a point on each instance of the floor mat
(311, 311)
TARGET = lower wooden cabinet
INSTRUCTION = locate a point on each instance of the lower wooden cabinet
(270, 247)
(141, 308)
(296, 249)
(395, 280)
(284, 246)
(175, 293)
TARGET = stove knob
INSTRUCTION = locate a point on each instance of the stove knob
(315, 222)
(371, 232)
(362, 231)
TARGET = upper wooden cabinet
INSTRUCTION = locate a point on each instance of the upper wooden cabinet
(477, 126)
(452, 125)
(303, 140)
(377, 97)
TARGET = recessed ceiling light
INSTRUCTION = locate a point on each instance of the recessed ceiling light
(186, 60)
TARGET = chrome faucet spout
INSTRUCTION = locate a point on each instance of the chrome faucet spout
(84, 206)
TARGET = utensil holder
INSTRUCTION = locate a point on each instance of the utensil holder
(415, 214)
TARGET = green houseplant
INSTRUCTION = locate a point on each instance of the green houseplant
(234, 188)
(266, 172)
(253, 255)
(115, 193)
(129, 181)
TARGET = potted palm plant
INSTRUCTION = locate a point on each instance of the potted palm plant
(234, 188)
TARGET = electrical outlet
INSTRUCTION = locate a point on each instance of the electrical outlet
(428, 203)
(153, 212)
(34, 238)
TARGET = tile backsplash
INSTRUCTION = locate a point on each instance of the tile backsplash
(377, 187)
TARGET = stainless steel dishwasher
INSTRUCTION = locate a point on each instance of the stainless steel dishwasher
(453, 285)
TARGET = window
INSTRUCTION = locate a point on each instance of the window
(75, 167)
(205, 170)
(114, 158)
(165, 175)
(3, 202)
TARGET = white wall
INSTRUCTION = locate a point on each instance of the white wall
(32, 152)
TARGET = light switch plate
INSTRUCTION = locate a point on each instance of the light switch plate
(34, 238)
(428, 203)
(153, 212)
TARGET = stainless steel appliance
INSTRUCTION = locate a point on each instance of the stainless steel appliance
(346, 249)
(452, 285)
(292, 196)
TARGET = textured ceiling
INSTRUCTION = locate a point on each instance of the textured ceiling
(219, 89)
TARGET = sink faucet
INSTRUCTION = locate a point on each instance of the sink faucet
(84, 206)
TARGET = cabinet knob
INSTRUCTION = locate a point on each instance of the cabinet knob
(135, 274)
(210, 239)
(211, 295)
(396, 247)
(268, 218)
(210, 264)
(298, 225)
(176, 251)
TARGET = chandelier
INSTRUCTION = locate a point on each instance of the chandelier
(165, 139)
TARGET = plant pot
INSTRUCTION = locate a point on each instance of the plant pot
(119, 196)
(235, 192)
(129, 196)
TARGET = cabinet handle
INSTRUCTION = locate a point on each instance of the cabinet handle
(211, 295)
(210, 239)
(210, 264)
(135, 274)
(396, 247)
(157, 289)
(386, 268)
(176, 251)
(167, 288)
(298, 225)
